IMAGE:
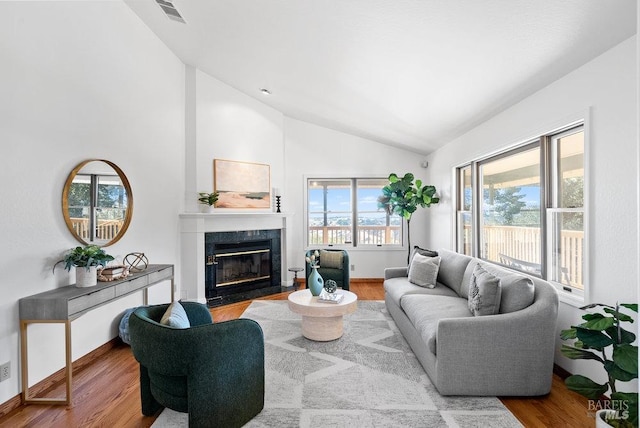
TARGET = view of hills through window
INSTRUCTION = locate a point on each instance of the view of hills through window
(345, 212)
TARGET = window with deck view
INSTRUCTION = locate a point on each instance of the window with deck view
(524, 208)
(344, 211)
(97, 206)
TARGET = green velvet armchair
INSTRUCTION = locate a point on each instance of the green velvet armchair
(213, 372)
(337, 268)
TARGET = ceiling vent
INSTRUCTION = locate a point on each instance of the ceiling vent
(170, 10)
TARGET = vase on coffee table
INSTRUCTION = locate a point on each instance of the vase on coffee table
(316, 283)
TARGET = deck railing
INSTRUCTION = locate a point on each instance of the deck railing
(367, 235)
(521, 243)
(105, 231)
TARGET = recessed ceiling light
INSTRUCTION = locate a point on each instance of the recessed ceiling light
(265, 91)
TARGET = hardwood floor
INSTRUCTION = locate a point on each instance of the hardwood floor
(106, 391)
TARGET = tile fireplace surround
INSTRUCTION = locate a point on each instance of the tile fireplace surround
(193, 226)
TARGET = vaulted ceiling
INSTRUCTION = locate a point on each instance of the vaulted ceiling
(409, 73)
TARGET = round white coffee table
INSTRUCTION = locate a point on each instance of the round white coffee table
(321, 321)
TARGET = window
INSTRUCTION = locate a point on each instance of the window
(97, 205)
(330, 212)
(525, 208)
(510, 209)
(565, 216)
(345, 212)
(465, 238)
(374, 226)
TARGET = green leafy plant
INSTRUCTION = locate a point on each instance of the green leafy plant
(402, 197)
(208, 198)
(602, 338)
(88, 256)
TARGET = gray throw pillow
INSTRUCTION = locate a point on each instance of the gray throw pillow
(175, 316)
(422, 251)
(484, 293)
(331, 259)
(517, 291)
(424, 270)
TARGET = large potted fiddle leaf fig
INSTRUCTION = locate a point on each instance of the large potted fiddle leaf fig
(601, 338)
(403, 197)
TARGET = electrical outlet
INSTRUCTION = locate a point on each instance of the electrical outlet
(5, 371)
(353, 267)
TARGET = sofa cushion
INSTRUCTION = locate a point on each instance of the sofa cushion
(422, 251)
(517, 291)
(331, 259)
(452, 269)
(484, 293)
(424, 312)
(175, 316)
(398, 287)
(424, 270)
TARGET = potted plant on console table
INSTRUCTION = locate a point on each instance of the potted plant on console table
(86, 261)
(593, 338)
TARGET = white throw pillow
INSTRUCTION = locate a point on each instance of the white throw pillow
(175, 316)
(424, 270)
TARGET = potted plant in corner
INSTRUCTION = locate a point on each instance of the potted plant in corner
(86, 261)
(602, 338)
(401, 196)
(207, 201)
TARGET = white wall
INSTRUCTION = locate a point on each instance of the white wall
(80, 80)
(607, 86)
(232, 125)
(314, 151)
(229, 125)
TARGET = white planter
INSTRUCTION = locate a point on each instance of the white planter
(86, 277)
(205, 209)
(600, 423)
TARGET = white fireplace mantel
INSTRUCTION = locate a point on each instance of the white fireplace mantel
(193, 226)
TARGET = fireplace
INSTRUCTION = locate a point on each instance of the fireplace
(241, 265)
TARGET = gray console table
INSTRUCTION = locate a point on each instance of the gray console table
(65, 304)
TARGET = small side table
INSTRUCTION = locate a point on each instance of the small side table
(295, 271)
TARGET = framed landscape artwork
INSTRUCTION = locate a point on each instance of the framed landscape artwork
(242, 184)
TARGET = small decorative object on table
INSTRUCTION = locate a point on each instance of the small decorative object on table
(315, 281)
(329, 293)
(331, 286)
(112, 273)
(137, 262)
(326, 297)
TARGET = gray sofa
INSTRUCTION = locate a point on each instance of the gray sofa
(507, 354)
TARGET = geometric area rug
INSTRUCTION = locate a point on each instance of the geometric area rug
(367, 378)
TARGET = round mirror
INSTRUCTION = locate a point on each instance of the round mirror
(97, 202)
